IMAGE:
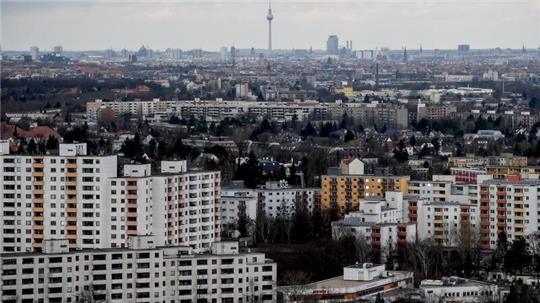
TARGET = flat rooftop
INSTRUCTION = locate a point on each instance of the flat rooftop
(339, 282)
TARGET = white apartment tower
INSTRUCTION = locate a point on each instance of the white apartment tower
(80, 198)
(177, 206)
(51, 197)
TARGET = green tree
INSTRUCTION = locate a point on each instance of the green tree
(32, 147)
(518, 256)
(52, 143)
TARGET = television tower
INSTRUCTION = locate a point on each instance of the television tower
(269, 17)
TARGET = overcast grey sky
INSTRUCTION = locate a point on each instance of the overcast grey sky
(210, 24)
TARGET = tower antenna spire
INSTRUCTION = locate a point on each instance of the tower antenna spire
(269, 17)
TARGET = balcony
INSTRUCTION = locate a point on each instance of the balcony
(71, 175)
(71, 165)
(71, 192)
(37, 218)
(38, 165)
(71, 227)
(37, 209)
(37, 183)
(71, 219)
(71, 236)
(38, 227)
(38, 174)
(71, 209)
(38, 236)
(71, 183)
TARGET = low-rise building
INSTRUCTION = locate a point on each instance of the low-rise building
(455, 289)
(381, 222)
(358, 282)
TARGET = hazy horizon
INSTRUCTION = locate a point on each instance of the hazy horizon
(300, 24)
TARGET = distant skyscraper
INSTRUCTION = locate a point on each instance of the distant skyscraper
(269, 17)
(233, 55)
(109, 53)
(34, 52)
(58, 50)
(405, 56)
(332, 45)
(463, 48)
(224, 53)
(142, 52)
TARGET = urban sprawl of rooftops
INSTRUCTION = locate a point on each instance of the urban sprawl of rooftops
(249, 175)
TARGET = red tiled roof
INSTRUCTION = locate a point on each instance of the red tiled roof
(7, 131)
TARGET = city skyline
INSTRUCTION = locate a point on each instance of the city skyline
(301, 25)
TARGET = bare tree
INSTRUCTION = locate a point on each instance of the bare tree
(488, 294)
(534, 246)
(451, 236)
(422, 255)
(364, 251)
(263, 228)
(296, 282)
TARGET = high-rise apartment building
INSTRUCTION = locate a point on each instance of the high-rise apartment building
(61, 196)
(463, 48)
(441, 221)
(343, 192)
(508, 206)
(142, 272)
(58, 50)
(34, 52)
(177, 206)
(81, 198)
(332, 45)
